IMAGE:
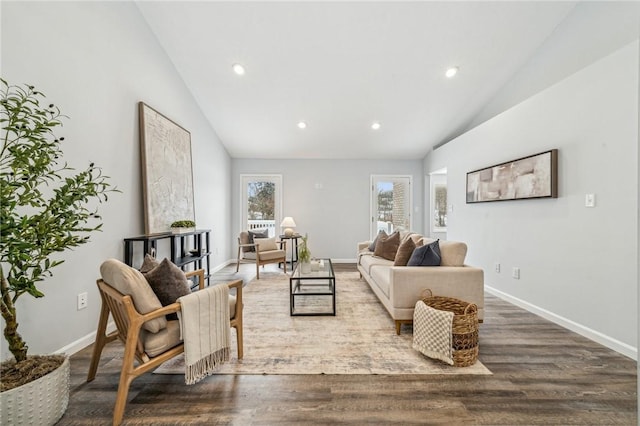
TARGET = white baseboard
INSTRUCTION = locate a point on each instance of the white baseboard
(596, 336)
(83, 342)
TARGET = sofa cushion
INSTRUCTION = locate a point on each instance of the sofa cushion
(387, 247)
(372, 246)
(381, 276)
(427, 255)
(169, 283)
(368, 262)
(130, 281)
(404, 252)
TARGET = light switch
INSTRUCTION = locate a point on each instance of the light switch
(590, 200)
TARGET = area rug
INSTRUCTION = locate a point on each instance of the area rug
(360, 339)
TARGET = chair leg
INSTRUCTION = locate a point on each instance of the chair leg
(238, 263)
(240, 339)
(257, 271)
(126, 377)
(101, 340)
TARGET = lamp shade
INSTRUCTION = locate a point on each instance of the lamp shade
(288, 223)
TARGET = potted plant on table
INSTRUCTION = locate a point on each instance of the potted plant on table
(180, 226)
(304, 255)
(45, 208)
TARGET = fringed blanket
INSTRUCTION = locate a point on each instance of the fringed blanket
(204, 326)
(432, 332)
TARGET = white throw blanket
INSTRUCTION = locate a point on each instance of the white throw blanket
(204, 327)
(432, 332)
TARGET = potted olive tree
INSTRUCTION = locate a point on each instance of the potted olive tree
(46, 207)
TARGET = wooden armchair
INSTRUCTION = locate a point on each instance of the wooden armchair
(270, 252)
(135, 329)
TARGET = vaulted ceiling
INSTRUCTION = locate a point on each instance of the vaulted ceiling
(341, 66)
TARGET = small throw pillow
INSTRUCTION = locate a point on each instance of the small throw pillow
(169, 283)
(427, 255)
(258, 233)
(372, 246)
(404, 252)
(387, 247)
(266, 244)
(149, 263)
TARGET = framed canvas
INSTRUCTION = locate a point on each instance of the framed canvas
(535, 176)
(167, 175)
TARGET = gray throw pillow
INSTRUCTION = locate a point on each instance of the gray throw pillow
(427, 255)
(258, 233)
(169, 283)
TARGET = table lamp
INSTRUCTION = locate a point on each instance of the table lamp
(288, 223)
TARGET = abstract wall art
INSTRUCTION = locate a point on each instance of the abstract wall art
(535, 176)
(167, 176)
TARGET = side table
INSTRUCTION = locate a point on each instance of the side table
(294, 248)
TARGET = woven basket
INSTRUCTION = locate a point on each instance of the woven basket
(465, 326)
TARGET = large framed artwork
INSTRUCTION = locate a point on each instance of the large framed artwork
(535, 176)
(167, 176)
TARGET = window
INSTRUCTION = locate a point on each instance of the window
(439, 202)
(261, 202)
(391, 203)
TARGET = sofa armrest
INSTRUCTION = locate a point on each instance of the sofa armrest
(407, 284)
(363, 245)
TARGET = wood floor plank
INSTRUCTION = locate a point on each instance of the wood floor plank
(542, 374)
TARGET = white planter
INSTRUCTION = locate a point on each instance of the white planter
(41, 402)
(182, 230)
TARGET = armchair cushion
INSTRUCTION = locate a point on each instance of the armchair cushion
(272, 254)
(169, 283)
(130, 281)
(266, 244)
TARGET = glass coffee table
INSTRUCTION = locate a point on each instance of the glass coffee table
(313, 292)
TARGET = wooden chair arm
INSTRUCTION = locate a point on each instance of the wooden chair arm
(200, 274)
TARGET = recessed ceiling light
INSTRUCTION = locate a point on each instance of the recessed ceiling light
(238, 69)
(302, 125)
(451, 72)
(375, 125)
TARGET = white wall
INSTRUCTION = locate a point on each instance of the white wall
(96, 60)
(336, 216)
(578, 265)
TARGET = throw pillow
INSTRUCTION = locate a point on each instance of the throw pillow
(149, 263)
(266, 244)
(372, 246)
(387, 247)
(258, 233)
(404, 252)
(427, 255)
(169, 283)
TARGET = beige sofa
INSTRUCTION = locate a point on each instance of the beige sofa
(400, 287)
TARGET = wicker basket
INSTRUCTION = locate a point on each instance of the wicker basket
(465, 326)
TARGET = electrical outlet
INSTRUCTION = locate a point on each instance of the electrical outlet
(590, 200)
(516, 273)
(497, 268)
(82, 300)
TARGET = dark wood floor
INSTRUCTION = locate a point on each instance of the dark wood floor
(542, 374)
